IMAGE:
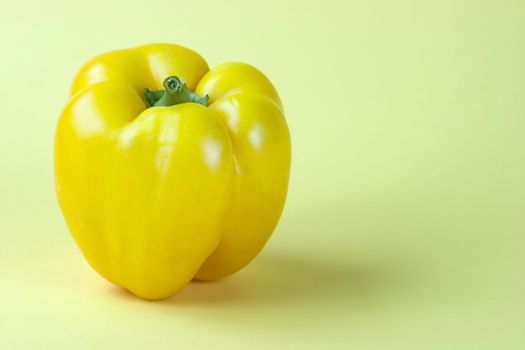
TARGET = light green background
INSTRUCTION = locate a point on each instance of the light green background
(405, 223)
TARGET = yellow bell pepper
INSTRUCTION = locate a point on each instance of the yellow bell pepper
(166, 170)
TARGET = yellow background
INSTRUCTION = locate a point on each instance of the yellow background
(405, 222)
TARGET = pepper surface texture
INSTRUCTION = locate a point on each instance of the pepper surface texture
(167, 170)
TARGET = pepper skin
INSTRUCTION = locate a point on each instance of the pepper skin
(191, 187)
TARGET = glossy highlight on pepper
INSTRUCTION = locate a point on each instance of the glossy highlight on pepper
(166, 170)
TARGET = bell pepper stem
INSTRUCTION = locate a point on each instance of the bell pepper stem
(175, 92)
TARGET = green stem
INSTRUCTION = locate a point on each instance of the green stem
(176, 92)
